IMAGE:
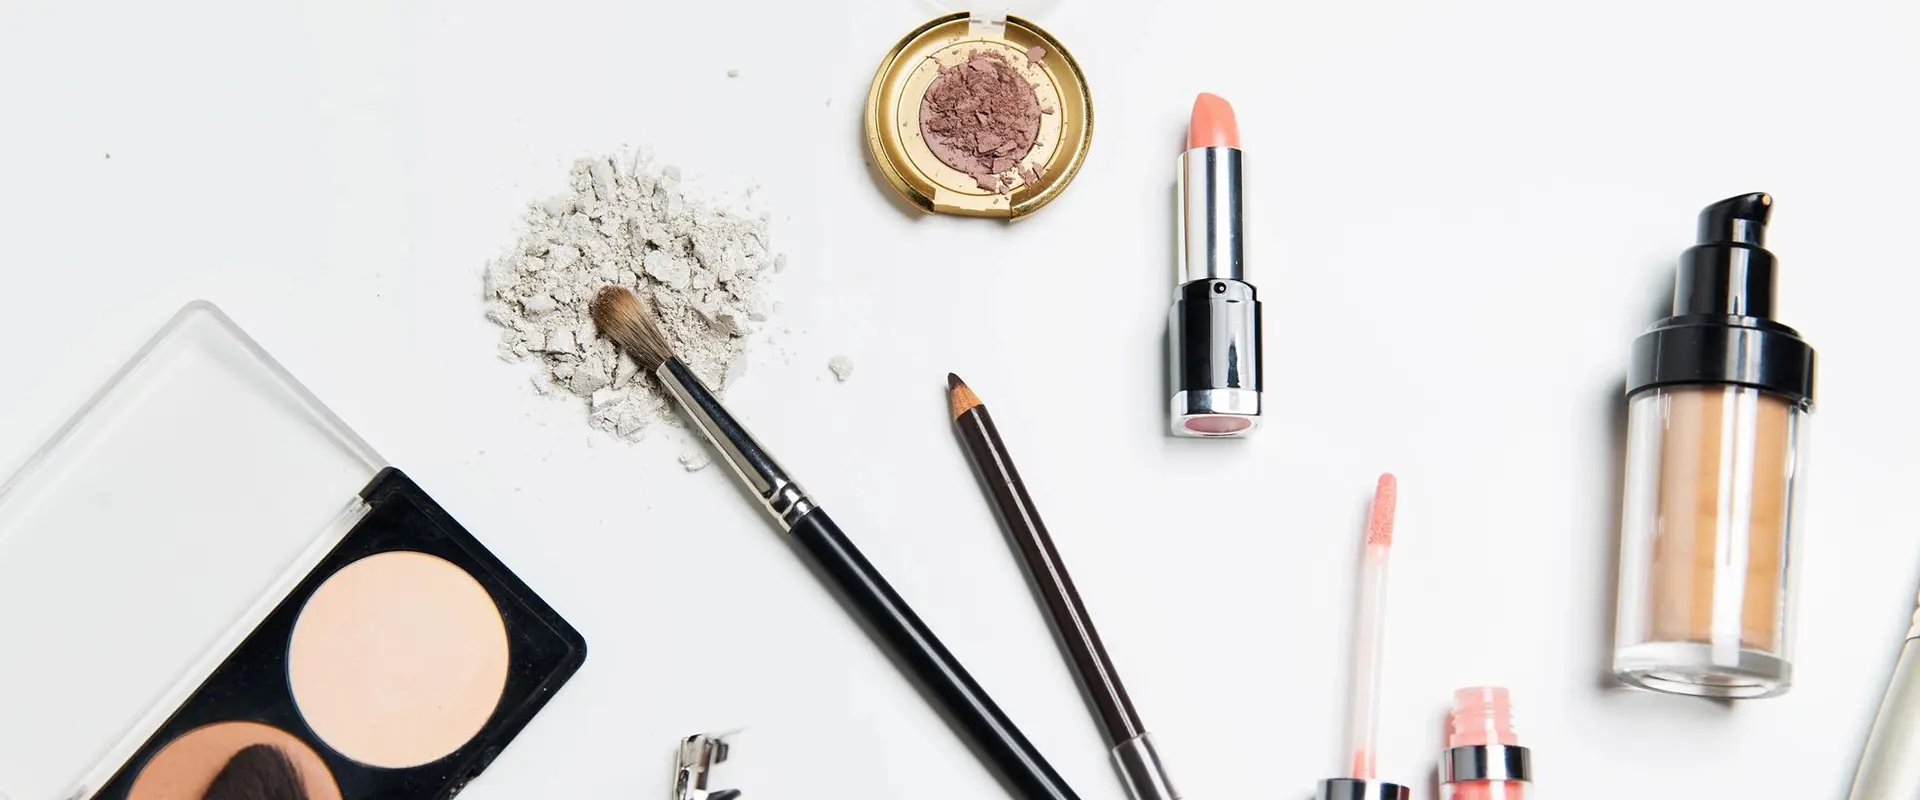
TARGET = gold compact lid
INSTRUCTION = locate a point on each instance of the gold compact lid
(901, 151)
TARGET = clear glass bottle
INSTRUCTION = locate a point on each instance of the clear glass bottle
(1719, 401)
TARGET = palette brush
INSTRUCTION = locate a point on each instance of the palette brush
(623, 318)
(1132, 747)
(258, 772)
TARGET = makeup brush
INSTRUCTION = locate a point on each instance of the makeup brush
(623, 318)
(1131, 745)
(1363, 719)
(258, 772)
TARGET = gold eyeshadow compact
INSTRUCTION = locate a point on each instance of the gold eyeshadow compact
(206, 578)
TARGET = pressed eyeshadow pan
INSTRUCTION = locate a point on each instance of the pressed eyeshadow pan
(398, 659)
(980, 115)
(185, 768)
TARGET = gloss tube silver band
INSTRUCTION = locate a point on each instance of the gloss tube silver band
(1356, 789)
(1496, 762)
(1211, 243)
(783, 498)
(1890, 765)
(1140, 768)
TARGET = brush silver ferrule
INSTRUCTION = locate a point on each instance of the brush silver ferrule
(1140, 767)
(783, 498)
(1211, 242)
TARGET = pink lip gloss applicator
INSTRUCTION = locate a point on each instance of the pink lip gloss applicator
(1484, 759)
(1364, 710)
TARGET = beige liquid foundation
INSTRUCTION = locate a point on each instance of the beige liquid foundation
(1719, 398)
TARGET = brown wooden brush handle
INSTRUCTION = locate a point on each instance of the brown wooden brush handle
(920, 653)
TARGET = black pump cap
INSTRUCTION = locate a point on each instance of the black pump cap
(1730, 271)
(1722, 329)
(1741, 220)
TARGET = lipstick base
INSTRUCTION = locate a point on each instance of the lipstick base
(1215, 413)
(1213, 352)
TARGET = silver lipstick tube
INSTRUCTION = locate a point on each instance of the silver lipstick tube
(1213, 333)
(1890, 765)
(783, 499)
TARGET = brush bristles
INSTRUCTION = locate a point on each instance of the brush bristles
(620, 316)
(1380, 522)
(258, 772)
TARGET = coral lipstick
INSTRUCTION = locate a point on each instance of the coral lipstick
(1213, 124)
(1214, 327)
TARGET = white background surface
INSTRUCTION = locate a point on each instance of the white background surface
(1463, 214)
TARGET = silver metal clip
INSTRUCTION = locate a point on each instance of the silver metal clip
(699, 754)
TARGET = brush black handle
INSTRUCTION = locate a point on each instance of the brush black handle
(966, 705)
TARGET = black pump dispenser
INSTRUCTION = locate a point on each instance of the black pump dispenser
(1722, 329)
(1730, 271)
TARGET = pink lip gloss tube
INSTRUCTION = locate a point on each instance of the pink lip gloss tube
(1484, 759)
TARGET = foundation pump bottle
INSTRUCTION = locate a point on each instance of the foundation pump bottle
(1719, 397)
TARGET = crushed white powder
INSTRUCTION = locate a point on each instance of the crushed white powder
(842, 368)
(700, 267)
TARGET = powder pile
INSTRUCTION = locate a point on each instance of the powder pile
(981, 117)
(699, 267)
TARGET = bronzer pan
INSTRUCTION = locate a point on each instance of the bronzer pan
(206, 562)
(979, 115)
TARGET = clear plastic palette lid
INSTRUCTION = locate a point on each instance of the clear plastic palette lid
(155, 530)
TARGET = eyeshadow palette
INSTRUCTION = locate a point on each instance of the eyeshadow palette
(205, 560)
(399, 668)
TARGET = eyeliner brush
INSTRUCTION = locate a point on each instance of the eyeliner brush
(1132, 746)
(623, 318)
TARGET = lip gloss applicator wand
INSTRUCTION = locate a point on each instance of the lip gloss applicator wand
(1363, 711)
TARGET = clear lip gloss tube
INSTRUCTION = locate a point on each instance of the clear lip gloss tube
(1484, 759)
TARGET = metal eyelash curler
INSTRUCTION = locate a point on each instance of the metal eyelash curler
(699, 754)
